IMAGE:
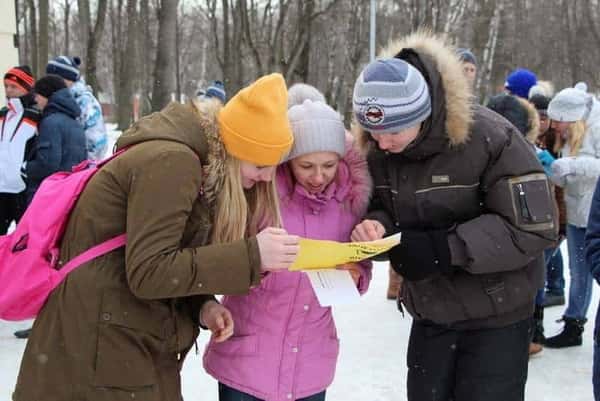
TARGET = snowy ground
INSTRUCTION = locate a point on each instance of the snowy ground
(372, 362)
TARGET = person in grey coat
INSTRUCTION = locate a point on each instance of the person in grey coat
(575, 115)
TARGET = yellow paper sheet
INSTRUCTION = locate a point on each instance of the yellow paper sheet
(319, 254)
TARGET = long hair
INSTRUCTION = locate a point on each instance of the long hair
(241, 213)
(576, 132)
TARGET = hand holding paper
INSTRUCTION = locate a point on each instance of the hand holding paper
(277, 248)
(368, 230)
(317, 254)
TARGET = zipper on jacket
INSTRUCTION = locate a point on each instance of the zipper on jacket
(400, 307)
(523, 203)
(420, 191)
(178, 354)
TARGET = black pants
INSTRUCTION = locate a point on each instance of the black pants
(11, 209)
(468, 365)
(227, 393)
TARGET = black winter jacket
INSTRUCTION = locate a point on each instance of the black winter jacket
(471, 173)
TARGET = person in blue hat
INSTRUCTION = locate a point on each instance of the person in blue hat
(216, 90)
(519, 82)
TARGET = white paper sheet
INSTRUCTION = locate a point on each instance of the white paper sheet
(333, 287)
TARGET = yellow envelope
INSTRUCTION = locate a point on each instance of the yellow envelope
(319, 254)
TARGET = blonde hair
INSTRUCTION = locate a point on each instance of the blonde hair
(240, 213)
(576, 131)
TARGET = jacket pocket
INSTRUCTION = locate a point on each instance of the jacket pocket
(489, 295)
(131, 335)
(237, 346)
(443, 206)
(435, 300)
(531, 201)
(464, 296)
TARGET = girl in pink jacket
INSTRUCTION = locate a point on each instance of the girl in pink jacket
(285, 345)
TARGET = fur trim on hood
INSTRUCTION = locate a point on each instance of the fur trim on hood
(215, 168)
(456, 89)
(193, 124)
(354, 187)
(533, 126)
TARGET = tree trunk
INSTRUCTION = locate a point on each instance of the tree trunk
(33, 35)
(94, 38)
(116, 17)
(67, 10)
(164, 72)
(125, 113)
(145, 42)
(84, 19)
(43, 36)
(178, 35)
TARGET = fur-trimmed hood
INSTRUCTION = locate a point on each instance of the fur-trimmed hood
(193, 124)
(451, 93)
(519, 112)
(533, 122)
(353, 183)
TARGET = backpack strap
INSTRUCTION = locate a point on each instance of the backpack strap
(94, 252)
(109, 158)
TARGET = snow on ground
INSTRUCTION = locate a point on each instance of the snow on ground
(372, 364)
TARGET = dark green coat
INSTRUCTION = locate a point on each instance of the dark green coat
(118, 327)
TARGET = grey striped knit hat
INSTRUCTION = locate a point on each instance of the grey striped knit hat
(390, 95)
(317, 128)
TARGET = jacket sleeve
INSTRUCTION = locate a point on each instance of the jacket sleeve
(585, 167)
(592, 236)
(162, 191)
(377, 212)
(48, 152)
(519, 219)
(93, 124)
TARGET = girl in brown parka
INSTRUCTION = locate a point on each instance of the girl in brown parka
(191, 193)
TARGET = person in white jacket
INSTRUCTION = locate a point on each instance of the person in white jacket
(575, 116)
(18, 127)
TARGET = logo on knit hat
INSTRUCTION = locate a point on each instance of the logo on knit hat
(374, 114)
(390, 95)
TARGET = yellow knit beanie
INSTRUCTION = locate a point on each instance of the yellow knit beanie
(254, 124)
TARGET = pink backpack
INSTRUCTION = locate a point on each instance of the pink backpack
(29, 256)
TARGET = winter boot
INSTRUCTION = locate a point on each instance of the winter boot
(535, 346)
(394, 284)
(570, 336)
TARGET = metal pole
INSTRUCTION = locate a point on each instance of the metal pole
(372, 30)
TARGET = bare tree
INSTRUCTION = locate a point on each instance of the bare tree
(43, 36)
(164, 71)
(125, 109)
(145, 56)
(66, 21)
(92, 34)
(33, 36)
